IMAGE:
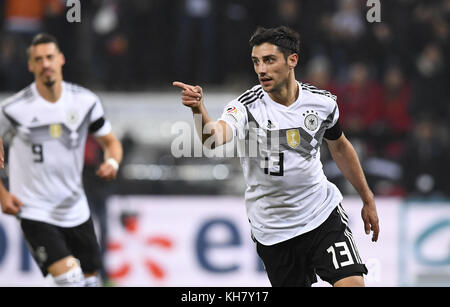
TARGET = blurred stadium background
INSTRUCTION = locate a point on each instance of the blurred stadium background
(171, 221)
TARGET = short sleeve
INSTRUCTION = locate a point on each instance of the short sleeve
(334, 130)
(334, 115)
(99, 126)
(5, 124)
(235, 115)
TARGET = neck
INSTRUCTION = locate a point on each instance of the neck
(50, 93)
(287, 94)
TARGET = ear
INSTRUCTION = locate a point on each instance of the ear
(30, 66)
(292, 60)
(63, 59)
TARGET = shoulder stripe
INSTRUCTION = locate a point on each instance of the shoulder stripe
(315, 90)
(249, 92)
(246, 95)
(27, 93)
(13, 122)
(23, 95)
(250, 100)
(76, 89)
(251, 96)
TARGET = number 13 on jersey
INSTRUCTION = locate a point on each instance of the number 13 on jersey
(274, 164)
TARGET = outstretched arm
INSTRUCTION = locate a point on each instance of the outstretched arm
(347, 161)
(220, 131)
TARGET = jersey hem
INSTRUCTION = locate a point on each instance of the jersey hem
(317, 222)
(53, 222)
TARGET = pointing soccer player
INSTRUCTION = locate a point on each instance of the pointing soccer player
(296, 215)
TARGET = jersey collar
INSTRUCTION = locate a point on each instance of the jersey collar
(283, 107)
(41, 99)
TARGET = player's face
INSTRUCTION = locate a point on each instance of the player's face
(272, 68)
(46, 62)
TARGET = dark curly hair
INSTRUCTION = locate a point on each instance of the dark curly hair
(286, 39)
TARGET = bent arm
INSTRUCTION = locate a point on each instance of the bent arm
(112, 154)
(111, 146)
(347, 161)
(212, 133)
(10, 204)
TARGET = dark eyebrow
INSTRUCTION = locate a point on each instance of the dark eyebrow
(265, 57)
(44, 56)
(269, 56)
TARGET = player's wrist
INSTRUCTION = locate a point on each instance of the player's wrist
(197, 109)
(114, 163)
(368, 198)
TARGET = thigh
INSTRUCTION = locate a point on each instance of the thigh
(46, 243)
(335, 253)
(287, 264)
(83, 244)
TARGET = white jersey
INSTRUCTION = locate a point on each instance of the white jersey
(287, 192)
(46, 152)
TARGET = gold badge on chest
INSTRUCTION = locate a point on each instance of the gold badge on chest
(293, 138)
(55, 131)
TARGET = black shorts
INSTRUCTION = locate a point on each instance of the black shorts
(49, 243)
(328, 251)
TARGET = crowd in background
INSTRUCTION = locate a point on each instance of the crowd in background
(391, 77)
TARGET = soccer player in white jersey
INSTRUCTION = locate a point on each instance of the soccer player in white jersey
(295, 213)
(49, 121)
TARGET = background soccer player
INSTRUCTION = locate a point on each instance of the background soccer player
(295, 213)
(50, 121)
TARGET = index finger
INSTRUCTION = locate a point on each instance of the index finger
(376, 231)
(182, 85)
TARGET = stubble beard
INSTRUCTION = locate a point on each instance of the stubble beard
(276, 87)
(49, 83)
